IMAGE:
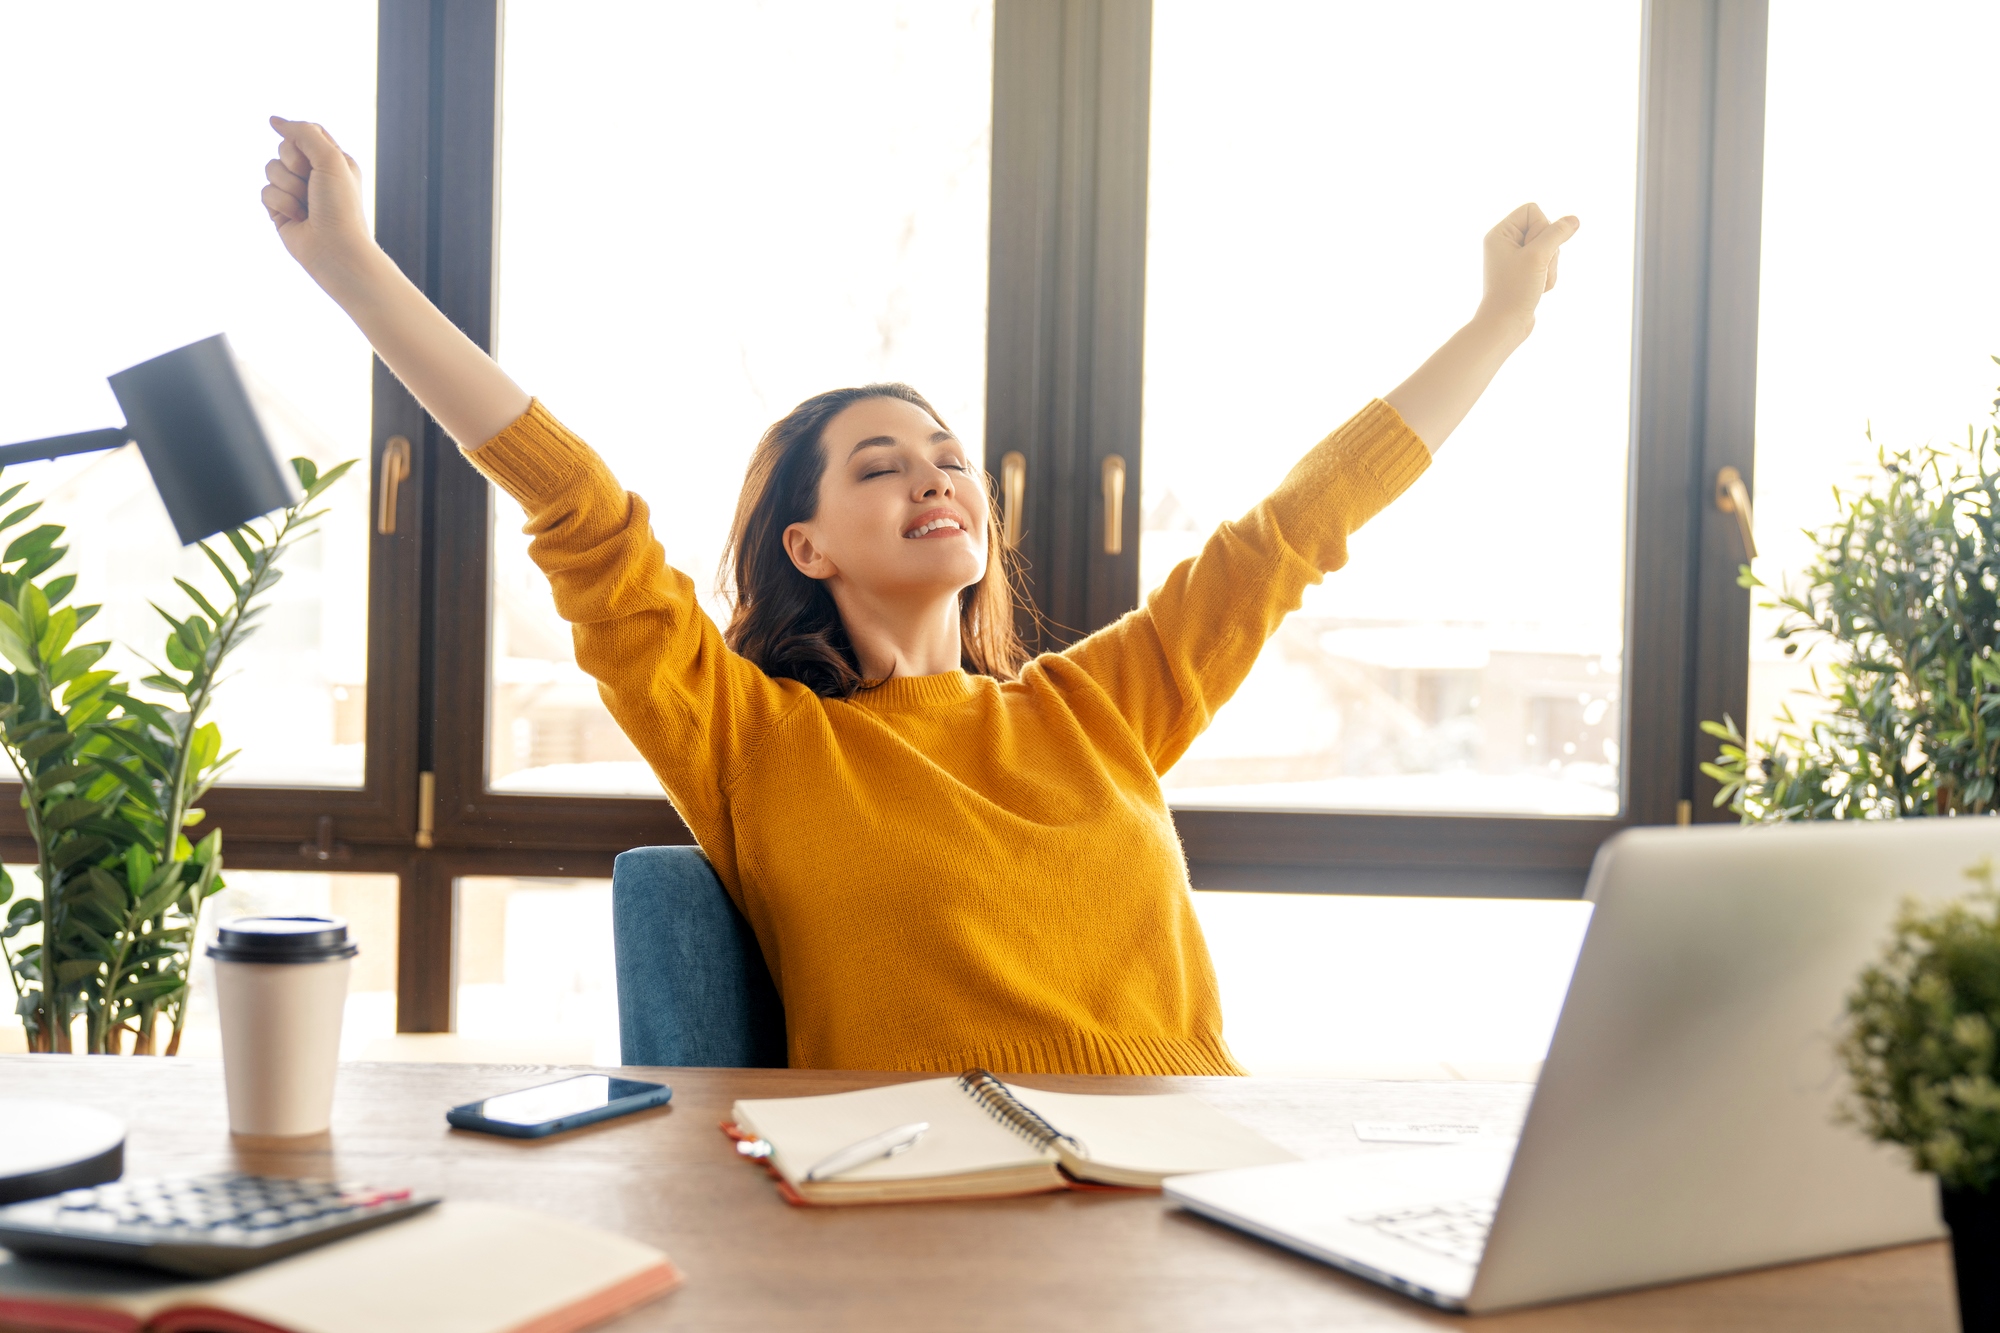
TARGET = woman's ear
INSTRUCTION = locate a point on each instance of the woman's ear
(810, 560)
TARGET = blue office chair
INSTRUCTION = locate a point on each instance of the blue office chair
(692, 985)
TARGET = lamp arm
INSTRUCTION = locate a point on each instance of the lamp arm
(59, 446)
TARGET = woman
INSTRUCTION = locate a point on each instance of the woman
(944, 868)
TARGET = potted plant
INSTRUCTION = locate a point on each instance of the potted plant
(1920, 1050)
(109, 784)
(1905, 587)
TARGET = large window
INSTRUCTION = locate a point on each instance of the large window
(1868, 110)
(811, 213)
(135, 149)
(1314, 233)
(1191, 236)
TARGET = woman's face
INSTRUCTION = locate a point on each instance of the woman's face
(902, 508)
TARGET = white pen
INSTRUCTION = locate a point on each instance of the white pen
(886, 1144)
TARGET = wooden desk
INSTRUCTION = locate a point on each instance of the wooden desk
(1049, 1262)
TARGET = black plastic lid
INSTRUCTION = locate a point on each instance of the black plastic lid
(282, 939)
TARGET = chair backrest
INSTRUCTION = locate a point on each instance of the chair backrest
(692, 985)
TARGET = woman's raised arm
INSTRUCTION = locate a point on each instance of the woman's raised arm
(1169, 665)
(1520, 265)
(314, 197)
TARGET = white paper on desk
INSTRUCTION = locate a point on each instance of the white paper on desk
(1433, 1131)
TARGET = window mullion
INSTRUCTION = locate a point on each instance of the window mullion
(1694, 369)
(1066, 306)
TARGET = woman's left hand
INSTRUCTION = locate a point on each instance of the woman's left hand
(1521, 255)
(1520, 266)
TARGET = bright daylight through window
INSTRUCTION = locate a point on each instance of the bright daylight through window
(1865, 115)
(143, 232)
(1316, 211)
(812, 213)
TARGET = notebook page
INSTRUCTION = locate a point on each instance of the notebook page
(1167, 1134)
(962, 1140)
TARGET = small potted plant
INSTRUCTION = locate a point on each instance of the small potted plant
(1920, 1051)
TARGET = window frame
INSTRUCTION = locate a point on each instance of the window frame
(1064, 361)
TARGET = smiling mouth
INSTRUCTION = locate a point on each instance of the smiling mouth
(935, 525)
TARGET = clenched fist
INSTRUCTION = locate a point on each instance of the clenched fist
(1521, 255)
(314, 198)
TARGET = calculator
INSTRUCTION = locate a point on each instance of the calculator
(200, 1226)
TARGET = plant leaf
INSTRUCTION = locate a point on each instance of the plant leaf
(18, 514)
(194, 595)
(34, 540)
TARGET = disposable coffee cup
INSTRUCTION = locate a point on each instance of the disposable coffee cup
(281, 987)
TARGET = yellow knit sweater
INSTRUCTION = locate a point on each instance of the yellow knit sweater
(951, 870)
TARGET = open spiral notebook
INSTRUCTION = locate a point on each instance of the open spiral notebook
(988, 1139)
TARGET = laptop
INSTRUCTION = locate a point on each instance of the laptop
(1684, 1124)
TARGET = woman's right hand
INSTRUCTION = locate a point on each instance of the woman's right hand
(314, 198)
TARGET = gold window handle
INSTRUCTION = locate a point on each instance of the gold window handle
(1013, 493)
(1114, 504)
(395, 471)
(1733, 497)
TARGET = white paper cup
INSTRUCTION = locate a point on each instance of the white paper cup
(281, 988)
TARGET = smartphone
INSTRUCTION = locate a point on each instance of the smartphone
(537, 1112)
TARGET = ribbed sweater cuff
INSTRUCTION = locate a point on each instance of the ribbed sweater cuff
(1351, 475)
(533, 457)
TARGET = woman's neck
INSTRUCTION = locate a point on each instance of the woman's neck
(901, 638)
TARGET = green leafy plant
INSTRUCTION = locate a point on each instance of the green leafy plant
(1919, 1043)
(49, 705)
(1905, 585)
(123, 886)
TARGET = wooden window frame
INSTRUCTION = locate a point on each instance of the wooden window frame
(1064, 360)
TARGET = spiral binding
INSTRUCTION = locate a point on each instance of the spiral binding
(1001, 1103)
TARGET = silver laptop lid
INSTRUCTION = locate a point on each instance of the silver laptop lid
(1684, 1121)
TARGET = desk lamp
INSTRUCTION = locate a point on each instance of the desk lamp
(211, 461)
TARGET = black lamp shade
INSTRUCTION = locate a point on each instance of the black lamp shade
(211, 461)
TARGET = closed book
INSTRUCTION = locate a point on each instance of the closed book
(458, 1268)
(988, 1139)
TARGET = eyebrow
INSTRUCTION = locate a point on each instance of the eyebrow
(877, 441)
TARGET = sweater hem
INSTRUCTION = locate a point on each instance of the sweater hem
(1079, 1052)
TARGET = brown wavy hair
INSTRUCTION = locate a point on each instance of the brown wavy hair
(787, 623)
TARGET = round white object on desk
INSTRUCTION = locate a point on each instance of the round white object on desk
(47, 1147)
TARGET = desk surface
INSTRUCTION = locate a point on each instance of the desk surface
(1052, 1261)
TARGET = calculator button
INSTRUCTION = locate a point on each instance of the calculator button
(201, 1226)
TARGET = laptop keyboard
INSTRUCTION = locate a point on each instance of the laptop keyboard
(1457, 1230)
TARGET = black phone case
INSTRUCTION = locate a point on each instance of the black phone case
(465, 1118)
